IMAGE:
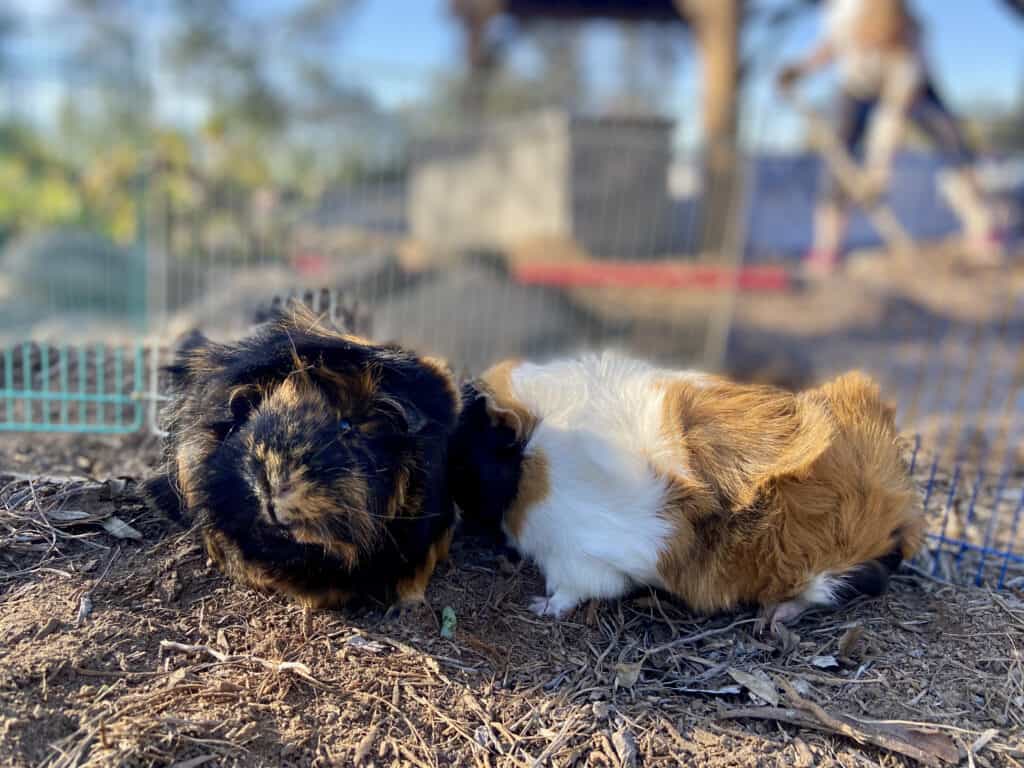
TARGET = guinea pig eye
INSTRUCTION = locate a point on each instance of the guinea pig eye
(344, 426)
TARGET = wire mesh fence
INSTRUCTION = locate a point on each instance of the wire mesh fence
(532, 236)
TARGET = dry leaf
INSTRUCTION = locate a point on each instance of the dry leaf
(626, 675)
(758, 684)
(67, 515)
(824, 662)
(483, 736)
(802, 686)
(360, 643)
(118, 528)
(625, 748)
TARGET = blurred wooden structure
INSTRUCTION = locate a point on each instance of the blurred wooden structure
(715, 27)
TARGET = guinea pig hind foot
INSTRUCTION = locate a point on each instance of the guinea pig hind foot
(558, 605)
(774, 617)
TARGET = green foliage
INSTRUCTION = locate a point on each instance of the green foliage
(106, 161)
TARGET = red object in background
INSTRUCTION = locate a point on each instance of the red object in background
(309, 263)
(652, 274)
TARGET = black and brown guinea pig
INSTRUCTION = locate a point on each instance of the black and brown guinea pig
(612, 474)
(314, 461)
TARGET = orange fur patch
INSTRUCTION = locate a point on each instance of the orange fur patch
(534, 487)
(783, 488)
(502, 405)
(413, 589)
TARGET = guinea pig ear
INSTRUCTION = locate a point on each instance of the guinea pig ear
(510, 420)
(480, 408)
(242, 401)
(415, 420)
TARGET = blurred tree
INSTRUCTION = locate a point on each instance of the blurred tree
(37, 188)
(1000, 129)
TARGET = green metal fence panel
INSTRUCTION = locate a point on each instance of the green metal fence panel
(48, 389)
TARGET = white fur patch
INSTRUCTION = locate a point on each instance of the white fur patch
(822, 590)
(600, 531)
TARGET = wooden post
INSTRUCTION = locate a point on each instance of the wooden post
(716, 26)
(475, 15)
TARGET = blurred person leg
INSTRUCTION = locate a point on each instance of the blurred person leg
(959, 185)
(831, 217)
(904, 79)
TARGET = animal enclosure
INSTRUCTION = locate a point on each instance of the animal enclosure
(533, 237)
(478, 188)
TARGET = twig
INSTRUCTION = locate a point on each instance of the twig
(940, 748)
(689, 639)
(801, 718)
(297, 667)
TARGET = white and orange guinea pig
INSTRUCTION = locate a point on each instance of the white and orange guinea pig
(613, 474)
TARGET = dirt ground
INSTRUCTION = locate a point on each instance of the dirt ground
(121, 646)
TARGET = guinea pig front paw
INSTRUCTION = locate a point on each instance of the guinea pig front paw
(557, 605)
(415, 611)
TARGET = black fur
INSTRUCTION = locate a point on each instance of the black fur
(215, 434)
(869, 579)
(161, 494)
(485, 466)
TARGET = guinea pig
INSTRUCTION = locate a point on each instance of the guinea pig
(314, 461)
(612, 474)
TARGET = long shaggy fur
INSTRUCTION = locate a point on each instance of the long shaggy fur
(612, 474)
(313, 460)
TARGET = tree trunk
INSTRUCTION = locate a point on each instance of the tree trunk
(716, 26)
(475, 16)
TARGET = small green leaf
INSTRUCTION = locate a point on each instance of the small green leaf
(448, 622)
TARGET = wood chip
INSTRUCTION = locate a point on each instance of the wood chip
(195, 762)
(982, 741)
(84, 610)
(365, 745)
(850, 642)
(47, 629)
(627, 675)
